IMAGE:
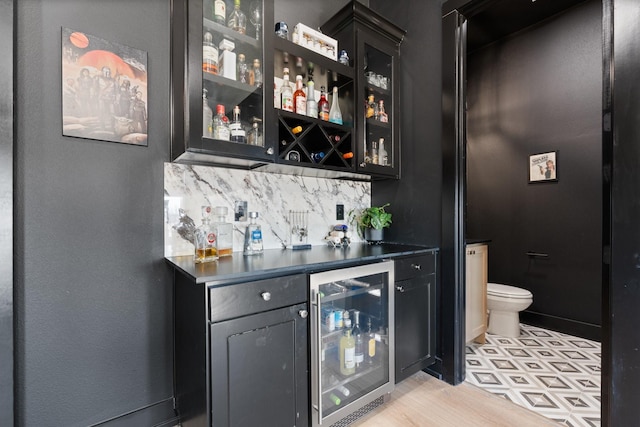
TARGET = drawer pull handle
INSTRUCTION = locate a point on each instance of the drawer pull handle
(303, 313)
(399, 288)
(416, 266)
(266, 296)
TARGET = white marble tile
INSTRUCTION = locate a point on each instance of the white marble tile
(272, 195)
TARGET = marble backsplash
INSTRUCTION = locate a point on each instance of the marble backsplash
(273, 195)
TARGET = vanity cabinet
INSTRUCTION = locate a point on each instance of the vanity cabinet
(477, 259)
(415, 314)
(191, 140)
(241, 352)
(374, 44)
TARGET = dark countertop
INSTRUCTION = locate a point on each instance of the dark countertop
(278, 262)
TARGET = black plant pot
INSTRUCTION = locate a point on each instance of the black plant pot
(373, 235)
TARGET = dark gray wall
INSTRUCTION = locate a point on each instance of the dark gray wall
(93, 299)
(6, 212)
(540, 91)
(415, 198)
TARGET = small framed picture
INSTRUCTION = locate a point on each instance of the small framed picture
(543, 167)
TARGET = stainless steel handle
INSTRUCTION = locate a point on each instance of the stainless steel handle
(416, 266)
(317, 328)
(303, 313)
(399, 288)
(266, 296)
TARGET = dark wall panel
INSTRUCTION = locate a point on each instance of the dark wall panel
(93, 294)
(537, 91)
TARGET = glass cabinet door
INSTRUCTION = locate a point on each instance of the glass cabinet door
(352, 347)
(221, 87)
(380, 142)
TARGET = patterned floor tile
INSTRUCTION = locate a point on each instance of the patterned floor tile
(554, 374)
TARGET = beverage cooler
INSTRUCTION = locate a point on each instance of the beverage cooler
(352, 340)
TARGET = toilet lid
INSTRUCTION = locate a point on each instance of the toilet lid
(500, 290)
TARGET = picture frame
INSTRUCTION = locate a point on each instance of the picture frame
(543, 167)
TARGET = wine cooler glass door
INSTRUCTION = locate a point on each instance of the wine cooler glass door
(352, 342)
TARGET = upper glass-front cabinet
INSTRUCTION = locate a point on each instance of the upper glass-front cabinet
(218, 77)
(375, 43)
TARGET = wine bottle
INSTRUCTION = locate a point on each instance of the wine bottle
(299, 97)
(323, 105)
(335, 115)
(358, 338)
(347, 353)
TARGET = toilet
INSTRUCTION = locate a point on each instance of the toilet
(505, 303)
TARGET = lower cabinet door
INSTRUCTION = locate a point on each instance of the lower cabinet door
(415, 325)
(259, 369)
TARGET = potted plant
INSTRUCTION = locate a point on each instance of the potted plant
(371, 222)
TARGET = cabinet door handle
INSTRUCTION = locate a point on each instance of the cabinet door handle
(399, 288)
(266, 296)
(416, 266)
(303, 313)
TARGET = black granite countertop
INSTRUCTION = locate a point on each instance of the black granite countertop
(278, 262)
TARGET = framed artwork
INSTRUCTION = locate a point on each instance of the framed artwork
(543, 167)
(104, 89)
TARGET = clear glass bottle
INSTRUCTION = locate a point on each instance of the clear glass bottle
(299, 97)
(237, 19)
(207, 116)
(374, 152)
(205, 239)
(335, 115)
(242, 69)
(253, 236)
(221, 124)
(383, 158)
(370, 107)
(220, 12)
(236, 131)
(359, 339)
(382, 115)
(209, 54)
(255, 78)
(223, 231)
(344, 58)
(286, 94)
(312, 105)
(255, 137)
(371, 344)
(347, 353)
(323, 105)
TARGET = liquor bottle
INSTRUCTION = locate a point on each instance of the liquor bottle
(205, 239)
(242, 69)
(312, 105)
(296, 129)
(209, 54)
(255, 137)
(223, 231)
(237, 19)
(299, 97)
(255, 76)
(221, 124)
(323, 105)
(383, 158)
(207, 116)
(220, 12)
(335, 115)
(358, 338)
(253, 236)
(382, 115)
(286, 94)
(371, 344)
(370, 107)
(347, 353)
(236, 131)
(374, 152)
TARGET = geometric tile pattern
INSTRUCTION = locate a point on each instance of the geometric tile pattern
(554, 374)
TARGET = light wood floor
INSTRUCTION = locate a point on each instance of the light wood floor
(424, 401)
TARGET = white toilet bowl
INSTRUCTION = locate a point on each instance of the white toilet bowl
(505, 304)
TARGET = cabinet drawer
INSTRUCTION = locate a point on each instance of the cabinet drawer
(227, 302)
(406, 268)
